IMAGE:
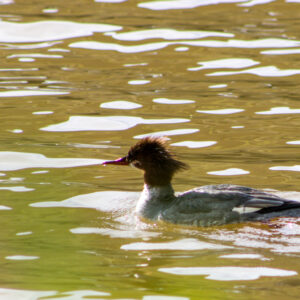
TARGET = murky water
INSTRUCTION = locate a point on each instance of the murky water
(81, 81)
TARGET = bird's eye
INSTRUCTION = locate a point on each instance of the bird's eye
(136, 164)
(129, 159)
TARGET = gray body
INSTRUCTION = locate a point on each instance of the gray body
(212, 205)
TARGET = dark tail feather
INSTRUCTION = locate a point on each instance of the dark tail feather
(285, 206)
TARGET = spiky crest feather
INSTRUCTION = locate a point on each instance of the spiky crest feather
(152, 155)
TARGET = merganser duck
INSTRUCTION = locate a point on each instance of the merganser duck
(202, 206)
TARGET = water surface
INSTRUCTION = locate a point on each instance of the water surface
(81, 81)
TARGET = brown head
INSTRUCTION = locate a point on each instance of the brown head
(151, 154)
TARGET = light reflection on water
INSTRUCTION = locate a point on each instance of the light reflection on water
(11, 161)
(229, 273)
(81, 82)
(269, 71)
(231, 43)
(81, 123)
(180, 4)
(166, 34)
(41, 31)
(230, 63)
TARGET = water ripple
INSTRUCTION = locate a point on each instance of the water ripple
(166, 34)
(268, 71)
(281, 236)
(255, 44)
(120, 48)
(184, 244)
(281, 51)
(168, 133)
(172, 101)
(195, 144)
(16, 189)
(229, 273)
(42, 31)
(255, 2)
(293, 143)
(25, 93)
(21, 257)
(230, 63)
(279, 111)
(182, 4)
(232, 43)
(10, 161)
(110, 123)
(225, 111)
(34, 55)
(229, 172)
(14, 294)
(28, 46)
(243, 256)
(108, 201)
(295, 168)
(115, 233)
(120, 105)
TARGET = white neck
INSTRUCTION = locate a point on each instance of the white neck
(153, 200)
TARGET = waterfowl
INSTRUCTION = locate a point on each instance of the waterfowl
(202, 206)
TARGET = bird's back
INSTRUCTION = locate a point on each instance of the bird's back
(222, 204)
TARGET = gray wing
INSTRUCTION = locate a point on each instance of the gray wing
(227, 197)
(220, 204)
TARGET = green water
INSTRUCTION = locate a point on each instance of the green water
(68, 229)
